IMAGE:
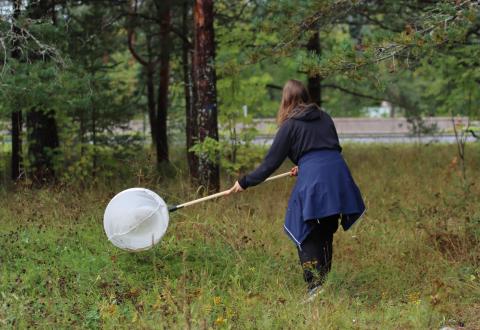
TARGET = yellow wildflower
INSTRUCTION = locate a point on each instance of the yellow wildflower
(414, 298)
(207, 308)
(220, 320)
(135, 317)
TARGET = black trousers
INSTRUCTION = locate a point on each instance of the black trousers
(316, 251)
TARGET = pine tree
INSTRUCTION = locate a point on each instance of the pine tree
(205, 90)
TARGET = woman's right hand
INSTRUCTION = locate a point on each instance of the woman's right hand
(235, 189)
(294, 171)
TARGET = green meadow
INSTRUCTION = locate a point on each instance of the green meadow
(412, 263)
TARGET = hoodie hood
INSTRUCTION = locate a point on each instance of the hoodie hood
(310, 113)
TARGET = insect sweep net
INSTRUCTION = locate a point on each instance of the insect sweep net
(135, 219)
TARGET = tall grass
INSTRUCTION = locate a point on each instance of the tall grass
(413, 262)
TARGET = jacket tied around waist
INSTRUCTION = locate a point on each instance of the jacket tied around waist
(324, 187)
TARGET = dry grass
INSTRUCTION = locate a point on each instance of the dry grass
(413, 262)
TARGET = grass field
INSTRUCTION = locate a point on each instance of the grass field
(413, 263)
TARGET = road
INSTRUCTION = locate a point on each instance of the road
(357, 130)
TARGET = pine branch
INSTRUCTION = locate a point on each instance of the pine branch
(131, 36)
(131, 48)
(414, 39)
(340, 88)
(325, 17)
(354, 93)
(379, 23)
(471, 131)
(19, 39)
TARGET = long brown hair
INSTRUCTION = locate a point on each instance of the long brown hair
(295, 99)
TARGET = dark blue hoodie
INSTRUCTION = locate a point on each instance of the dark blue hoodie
(310, 129)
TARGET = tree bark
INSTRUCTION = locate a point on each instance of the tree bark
(315, 82)
(94, 132)
(41, 123)
(190, 113)
(164, 80)
(157, 108)
(206, 92)
(152, 112)
(16, 116)
(42, 142)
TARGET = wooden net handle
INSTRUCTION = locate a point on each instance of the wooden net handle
(220, 194)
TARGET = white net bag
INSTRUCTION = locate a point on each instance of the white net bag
(135, 219)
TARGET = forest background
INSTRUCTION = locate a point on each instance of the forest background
(198, 75)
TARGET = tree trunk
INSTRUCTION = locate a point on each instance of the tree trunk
(190, 114)
(315, 82)
(149, 65)
(42, 142)
(41, 123)
(164, 80)
(152, 113)
(94, 134)
(16, 117)
(206, 93)
(82, 133)
(16, 161)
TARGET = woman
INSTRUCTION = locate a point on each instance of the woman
(324, 191)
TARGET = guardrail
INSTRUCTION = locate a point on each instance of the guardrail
(347, 127)
(377, 126)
